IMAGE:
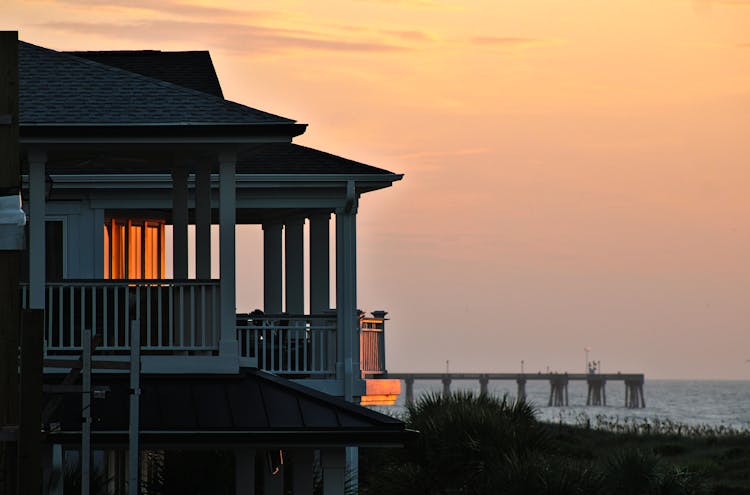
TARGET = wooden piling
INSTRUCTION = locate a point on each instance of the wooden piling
(446, 385)
(558, 390)
(484, 381)
(597, 395)
(521, 388)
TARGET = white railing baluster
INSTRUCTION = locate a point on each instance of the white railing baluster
(171, 314)
(148, 317)
(192, 310)
(105, 313)
(160, 316)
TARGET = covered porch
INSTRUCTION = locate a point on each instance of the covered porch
(189, 322)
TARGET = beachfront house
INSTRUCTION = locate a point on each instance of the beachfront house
(124, 154)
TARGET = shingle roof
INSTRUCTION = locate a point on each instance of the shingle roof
(243, 407)
(288, 158)
(193, 69)
(57, 88)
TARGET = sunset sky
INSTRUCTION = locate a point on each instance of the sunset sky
(577, 173)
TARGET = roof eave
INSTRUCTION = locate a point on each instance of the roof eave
(159, 133)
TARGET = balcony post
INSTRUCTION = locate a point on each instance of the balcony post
(295, 265)
(272, 267)
(320, 283)
(37, 207)
(347, 362)
(179, 222)
(203, 221)
(227, 256)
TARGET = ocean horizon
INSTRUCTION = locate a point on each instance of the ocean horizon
(713, 403)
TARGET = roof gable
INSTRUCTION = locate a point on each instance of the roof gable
(193, 69)
(60, 89)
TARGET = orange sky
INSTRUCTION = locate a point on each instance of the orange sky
(576, 172)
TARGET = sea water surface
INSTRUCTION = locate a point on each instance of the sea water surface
(689, 402)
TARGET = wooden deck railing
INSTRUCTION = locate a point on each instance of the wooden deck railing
(174, 315)
(288, 344)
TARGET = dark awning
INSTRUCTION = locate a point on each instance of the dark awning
(251, 408)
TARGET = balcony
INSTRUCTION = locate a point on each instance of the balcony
(181, 318)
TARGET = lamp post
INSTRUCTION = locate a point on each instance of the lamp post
(586, 350)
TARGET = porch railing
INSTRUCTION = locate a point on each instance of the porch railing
(174, 315)
(372, 344)
(288, 344)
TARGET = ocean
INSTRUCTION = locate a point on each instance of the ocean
(689, 402)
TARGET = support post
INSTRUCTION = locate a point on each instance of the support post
(86, 415)
(272, 268)
(409, 399)
(334, 466)
(37, 240)
(58, 475)
(320, 285)
(29, 432)
(10, 186)
(295, 266)
(203, 221)
(179, 222)
(347, 365)
(227, 256)
(244, 471)
(302, 472)
(135, 405)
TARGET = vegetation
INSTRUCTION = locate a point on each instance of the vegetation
(476, 444)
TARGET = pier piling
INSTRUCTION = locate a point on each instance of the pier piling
(484, 381)
(597, 391)
(558, 390)
(446, 385)
(521, 383)
(634, 394)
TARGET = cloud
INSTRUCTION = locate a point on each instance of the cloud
(171, 7)
(228, 36)
(440, 153)
(506, 41)
(410, 35)
(743, 45)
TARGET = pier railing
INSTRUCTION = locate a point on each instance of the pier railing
(288, 344)
(174, 315)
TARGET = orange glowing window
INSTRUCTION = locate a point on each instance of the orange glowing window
(134, 249)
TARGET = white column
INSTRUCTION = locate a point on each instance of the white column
(37, 254)
(244, 471)
(227, 255)
(334, 470)
(57, 470)
(295, 265)
(203, 221)
(272, 268)
(347, 366)
(179, 222)
(302, 472)
(320, 284)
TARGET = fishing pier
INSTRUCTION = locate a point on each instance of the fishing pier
(558, 393)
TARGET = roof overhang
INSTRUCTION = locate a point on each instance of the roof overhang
(168, 134)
